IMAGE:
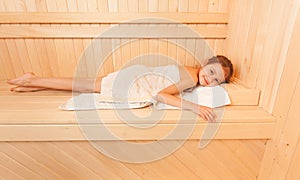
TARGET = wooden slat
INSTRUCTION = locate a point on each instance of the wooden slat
(125, 132)
(29, 162)
(293, 172)
(15, 165)
(244, 154)
(240, 170)
(80, 160)
(109, 32)
(44, 158)
(215, 164)
(52, 115)
(110, 18)
(117, 167)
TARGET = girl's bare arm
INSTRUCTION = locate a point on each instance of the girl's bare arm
(169, 96)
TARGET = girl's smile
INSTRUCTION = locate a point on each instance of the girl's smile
(211, 75)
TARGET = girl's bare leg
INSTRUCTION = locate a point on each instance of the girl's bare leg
(27, 89)
(29, 80)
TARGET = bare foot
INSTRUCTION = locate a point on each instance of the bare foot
(26, 89)
(23, 80)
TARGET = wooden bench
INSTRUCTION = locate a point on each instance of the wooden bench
(35, 117)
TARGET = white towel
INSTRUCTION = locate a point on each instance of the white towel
(212, 97)
(137, 83)
(90, 101)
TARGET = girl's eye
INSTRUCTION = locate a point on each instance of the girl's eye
(217, 81)
(211, 72)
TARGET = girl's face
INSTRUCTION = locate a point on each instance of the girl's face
(211, 75)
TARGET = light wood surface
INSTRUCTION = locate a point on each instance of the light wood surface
(63, 30)
(115, 32)
(259, 36)
(112, 18)
(80, 160)
(27, 117)
(282, 152)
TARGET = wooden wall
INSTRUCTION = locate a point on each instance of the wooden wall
(263, 42)
(59, 56)
(281, 160)
(258, 40)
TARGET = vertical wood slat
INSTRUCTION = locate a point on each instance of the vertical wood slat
(10, 6)
(290, 13)
(258, 27)
(268, 71)
(5, 72)
(241, 42)
(39, 60)
(223, 7)
(212, 7)
(293, 172)
(90, 50)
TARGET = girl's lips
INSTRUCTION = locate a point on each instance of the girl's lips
(205, 80)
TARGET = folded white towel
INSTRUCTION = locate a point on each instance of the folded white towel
(213, 97)
(90, 101)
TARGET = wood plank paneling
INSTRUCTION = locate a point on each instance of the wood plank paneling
(59, 56)
(258, 40)
(293, 172)
(79, 160)
(283, 147)
(89, 17)
(117, 32)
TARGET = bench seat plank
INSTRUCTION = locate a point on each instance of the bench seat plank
(35, 117)
(124, 132)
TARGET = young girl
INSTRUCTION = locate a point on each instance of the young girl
(218, 70)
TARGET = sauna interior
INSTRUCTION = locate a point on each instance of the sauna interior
(258, 137)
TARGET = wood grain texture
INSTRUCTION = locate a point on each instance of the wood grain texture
(258, 41)
(26, 117)
(112, 18)
(55, 33)
(80, 160)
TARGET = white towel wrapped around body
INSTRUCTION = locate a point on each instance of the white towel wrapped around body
(134, 87)
(138, 82)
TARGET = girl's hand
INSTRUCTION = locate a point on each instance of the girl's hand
(205, 113)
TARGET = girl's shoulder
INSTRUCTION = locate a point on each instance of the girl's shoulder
(189, 74)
